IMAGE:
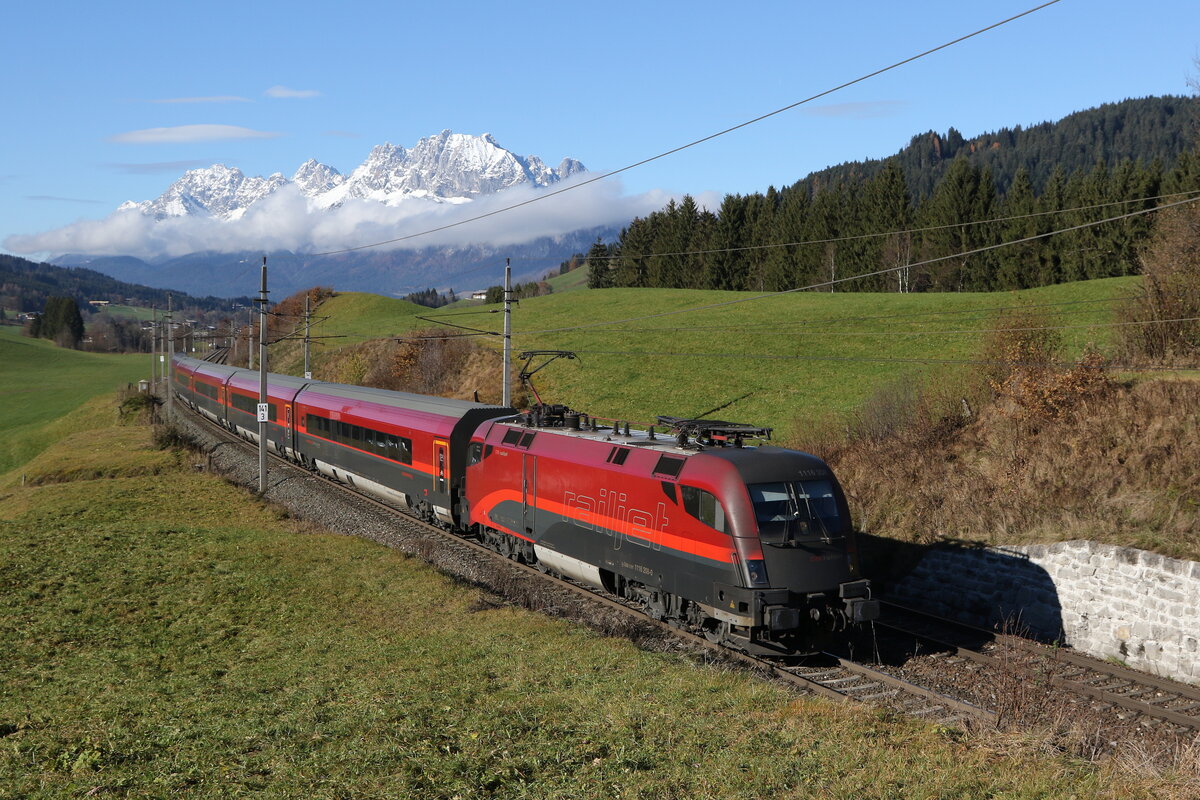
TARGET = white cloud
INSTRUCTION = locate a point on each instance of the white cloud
(283, 91)
(284, 221)
(191, 133)
(224, 98)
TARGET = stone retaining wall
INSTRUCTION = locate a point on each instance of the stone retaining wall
(1106, 601)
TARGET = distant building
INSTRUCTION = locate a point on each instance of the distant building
(98, 303)
(479, 295)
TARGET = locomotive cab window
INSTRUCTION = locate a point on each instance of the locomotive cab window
(474, 453)
(792, 510)
(704, 506)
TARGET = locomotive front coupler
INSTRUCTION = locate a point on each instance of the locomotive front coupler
(860, 606)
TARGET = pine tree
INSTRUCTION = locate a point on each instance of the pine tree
(891, 212)
(949, 213)
(727, 267)
(635, 244)
(60, 322)
(1018, 264)
(600, 273)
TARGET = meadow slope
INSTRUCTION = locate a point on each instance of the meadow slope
(165, 634)
(781, 361)
(40, 383)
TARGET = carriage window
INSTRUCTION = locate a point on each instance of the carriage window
(386, 445)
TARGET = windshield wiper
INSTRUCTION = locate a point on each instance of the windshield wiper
(808, 507)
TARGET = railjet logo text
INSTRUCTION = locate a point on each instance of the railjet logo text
(624, 522)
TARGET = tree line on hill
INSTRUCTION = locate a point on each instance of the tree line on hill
(520, 291)
(431, 298)
(1141, 130)
(60, 322)
(793, 237)
(925, 207)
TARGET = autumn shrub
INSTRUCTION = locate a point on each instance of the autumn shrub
(1164, 316)
(287, 316)
(423, 362)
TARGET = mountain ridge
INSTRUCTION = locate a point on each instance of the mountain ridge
(445, 168)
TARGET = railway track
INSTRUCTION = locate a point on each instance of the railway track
(218, 355)
(826, 674)
(1129, 695)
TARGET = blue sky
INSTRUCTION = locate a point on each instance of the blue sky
(265, 86)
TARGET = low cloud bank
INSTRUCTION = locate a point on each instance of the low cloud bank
(284, 221)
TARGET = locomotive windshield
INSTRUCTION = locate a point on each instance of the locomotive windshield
(795, 510)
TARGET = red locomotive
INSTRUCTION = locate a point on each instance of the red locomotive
(751, 545)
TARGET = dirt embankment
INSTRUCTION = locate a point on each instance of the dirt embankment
(1118, 465)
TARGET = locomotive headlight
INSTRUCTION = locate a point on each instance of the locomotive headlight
(757, 570)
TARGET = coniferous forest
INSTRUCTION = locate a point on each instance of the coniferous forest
(941, 196)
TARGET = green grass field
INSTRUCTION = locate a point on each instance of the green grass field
(780, 361)
(569, 282)
(165, 635)
(40, 383)
(131, 312)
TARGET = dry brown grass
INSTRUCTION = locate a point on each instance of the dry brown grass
(424, 363)
(1026, 450)
(1116, 464)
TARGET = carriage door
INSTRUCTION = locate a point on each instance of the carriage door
(441, 466)
(289, 432)
(529, 494)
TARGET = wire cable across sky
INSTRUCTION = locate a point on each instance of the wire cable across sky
(702, 140)
(837, 281)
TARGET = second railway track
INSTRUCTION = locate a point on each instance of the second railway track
(1126, 694)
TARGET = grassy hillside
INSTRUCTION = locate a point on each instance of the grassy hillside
(570, 281)
(131, 312)
(165, 635)
(39, 383)
(781, 361)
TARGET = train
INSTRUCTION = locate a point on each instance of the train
(752, 546)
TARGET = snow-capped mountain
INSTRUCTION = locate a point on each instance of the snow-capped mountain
(449, 167)
(314, 178)
(219, 191)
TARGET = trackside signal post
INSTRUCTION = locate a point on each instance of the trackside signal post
(264, 408)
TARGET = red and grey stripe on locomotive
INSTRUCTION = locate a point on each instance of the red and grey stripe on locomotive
(753, 545)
